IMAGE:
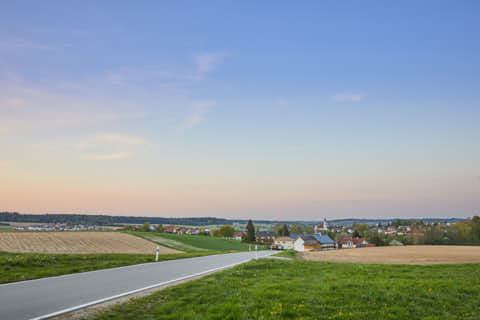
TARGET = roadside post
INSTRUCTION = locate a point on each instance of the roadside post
(156, 254)
(249, 247)
(256, 252)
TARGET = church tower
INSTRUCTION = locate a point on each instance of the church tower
(323, 228)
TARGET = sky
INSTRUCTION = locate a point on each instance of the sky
(241, 109)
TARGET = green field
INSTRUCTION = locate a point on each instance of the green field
(192, 243)
(268, 289)
(26, 266)
(287, 254)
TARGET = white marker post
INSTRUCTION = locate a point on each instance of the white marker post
(156, 254)
(256, 252)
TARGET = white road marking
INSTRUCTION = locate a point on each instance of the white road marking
(133, 291)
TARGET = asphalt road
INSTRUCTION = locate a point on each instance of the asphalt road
(42, 298)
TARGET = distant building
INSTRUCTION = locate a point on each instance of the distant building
(311, 242)
(284, 243)
(264, 237)
(239, 236)
(348, 243)
(323, 228)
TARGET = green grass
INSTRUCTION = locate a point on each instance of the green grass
(26, 266)
(192, 243)
(275, 289)
(5, 227)
(287, 254)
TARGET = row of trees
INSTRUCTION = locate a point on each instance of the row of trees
(225, 231)
(102, 220)
(465, 232)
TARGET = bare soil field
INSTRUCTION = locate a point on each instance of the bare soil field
(399, 255)
(77, 242)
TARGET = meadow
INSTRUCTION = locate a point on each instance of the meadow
(274, 289)
(192, 243)
(26, 266)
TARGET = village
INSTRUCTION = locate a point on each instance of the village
(319, 237)
(298, 237)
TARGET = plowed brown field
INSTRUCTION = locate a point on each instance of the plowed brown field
(77, 242)
(399, 255)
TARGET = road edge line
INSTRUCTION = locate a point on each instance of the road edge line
(57, 313)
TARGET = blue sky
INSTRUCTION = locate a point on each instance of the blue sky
(281, 110)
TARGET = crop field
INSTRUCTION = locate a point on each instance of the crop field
(189, 243)
(399, 255)
(77, 242)
(298, 289)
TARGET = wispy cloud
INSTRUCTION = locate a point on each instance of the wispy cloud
(109, 156)
(111, 145)
(207, 61)
(198, 113)
(119, 138)
(349, 96)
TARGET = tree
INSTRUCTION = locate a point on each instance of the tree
(250, 231)
(283, 232)
(297, 228)
(146, 226)
(376, 238)
(159, 228)
(225, 231)
(308, 230)
(476, 228)
(332, 234)
(360, 230)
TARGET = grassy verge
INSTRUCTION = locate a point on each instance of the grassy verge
(275, 289)
(189, 243)
(26, 266)
(287, 254)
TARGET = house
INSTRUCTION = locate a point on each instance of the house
(284, 243)
(326, 243)
(306, 243)
(169, 229)
(311, 242)
(348, 243)
(264, 236)
(239, 236)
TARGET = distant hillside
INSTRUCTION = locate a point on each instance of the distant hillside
(349, 222)
(104, 220)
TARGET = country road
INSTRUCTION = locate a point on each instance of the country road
(43, 298)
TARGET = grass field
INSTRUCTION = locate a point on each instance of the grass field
(77, 242)
(26, 266)
(287, 254)
(193, 243)
(268, 289)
